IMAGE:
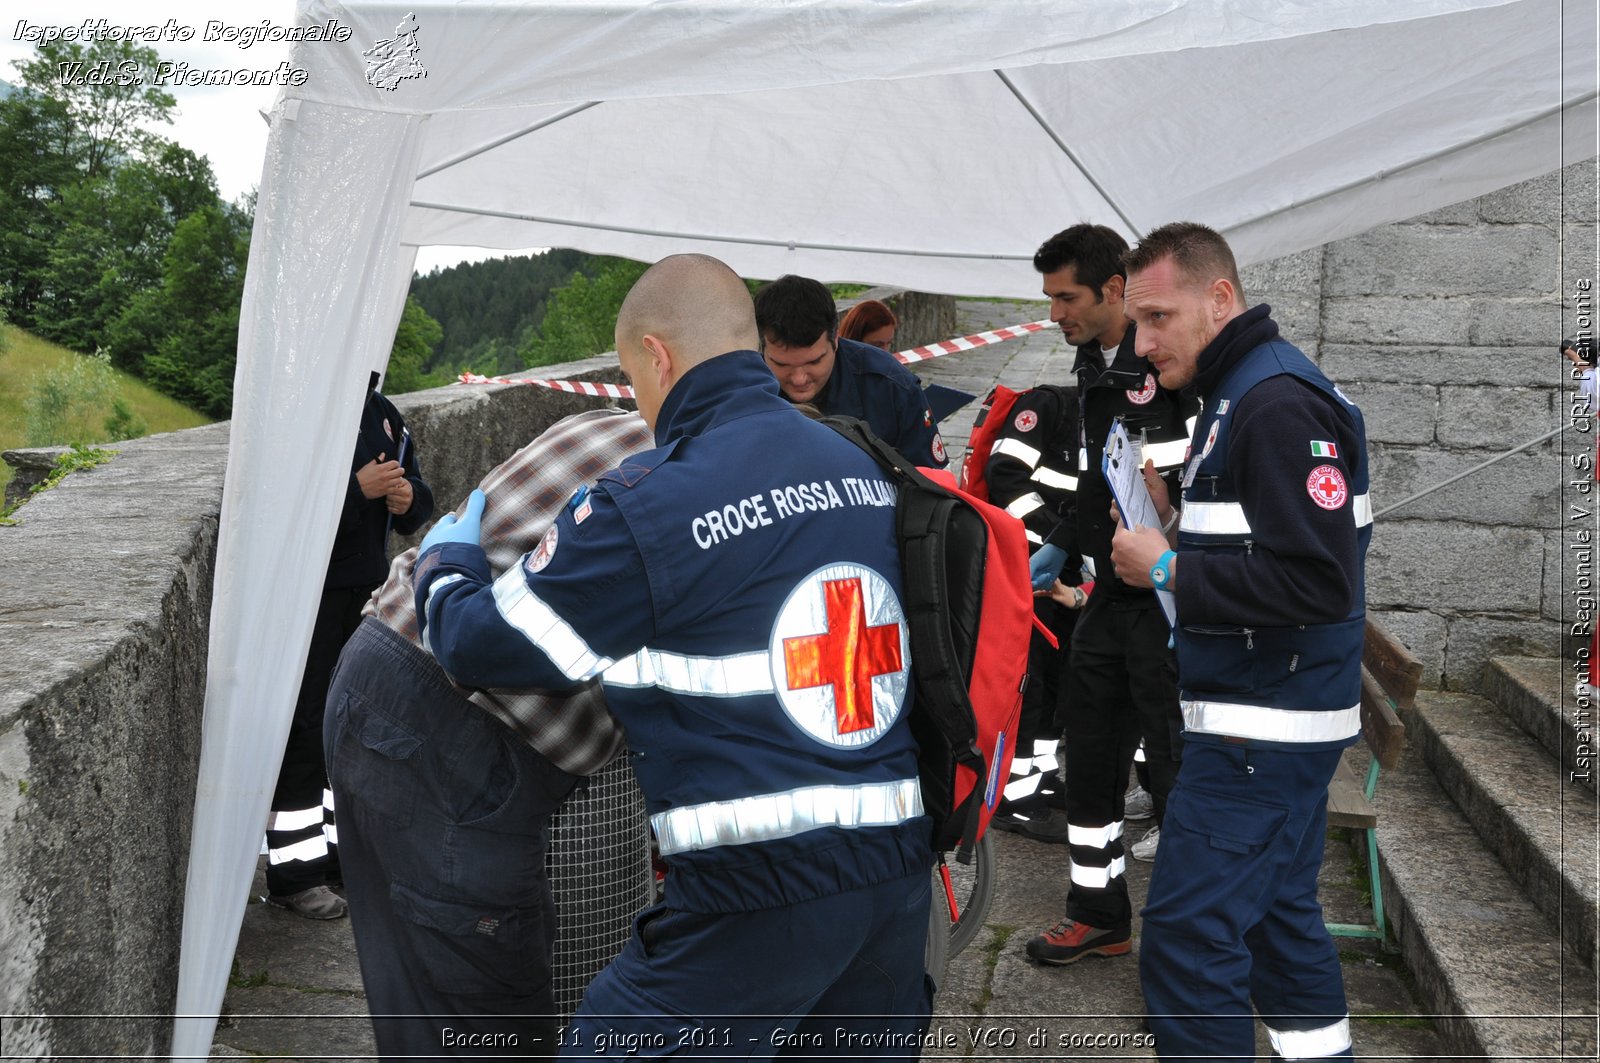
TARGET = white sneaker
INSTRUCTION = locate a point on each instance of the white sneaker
(1137, 803)
(1145, 848)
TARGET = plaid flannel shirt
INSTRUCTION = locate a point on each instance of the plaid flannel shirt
(525, 494)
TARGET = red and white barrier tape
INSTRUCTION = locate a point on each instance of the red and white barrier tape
(915, 354)
(966, 343)
(577, 387)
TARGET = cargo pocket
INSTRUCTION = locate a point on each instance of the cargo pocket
(373, 759)
(470, 950)
(1235, 848)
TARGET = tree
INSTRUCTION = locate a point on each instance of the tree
(414, 341)
(188, 328)
(34, 171)
(582, 317)
(112, 235)
(102, 86)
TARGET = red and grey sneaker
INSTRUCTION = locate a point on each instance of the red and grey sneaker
(1069, 941)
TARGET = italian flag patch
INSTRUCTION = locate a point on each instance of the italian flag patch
(1320, 449)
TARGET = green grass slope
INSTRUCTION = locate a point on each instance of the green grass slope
(25, 357)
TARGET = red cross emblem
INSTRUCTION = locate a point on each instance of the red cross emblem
(845, 656)
(1326, 487)
(1144, 394)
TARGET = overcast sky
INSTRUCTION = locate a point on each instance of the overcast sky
(220, 122)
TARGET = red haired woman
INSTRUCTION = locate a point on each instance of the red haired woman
(870, 322)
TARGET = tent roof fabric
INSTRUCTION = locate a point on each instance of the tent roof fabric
(933, 145)
(930, 144)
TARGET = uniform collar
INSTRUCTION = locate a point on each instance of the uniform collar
(1127, 362)
(717, 391)
(1238, 338)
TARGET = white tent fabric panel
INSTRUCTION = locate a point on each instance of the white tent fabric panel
(488, 54)
(318, 315)
(930, 144)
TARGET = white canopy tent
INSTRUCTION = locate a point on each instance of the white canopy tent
(930, 144)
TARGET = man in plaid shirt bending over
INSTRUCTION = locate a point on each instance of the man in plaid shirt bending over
(445, 794)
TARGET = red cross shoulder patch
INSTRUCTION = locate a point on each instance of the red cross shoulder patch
(1143, 395)
(1326, 487)
(840, 655)
(1026, 421)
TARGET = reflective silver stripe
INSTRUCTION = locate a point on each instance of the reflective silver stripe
(1021, 507)
(299, 819)
(1019, 450)
(1188, 426)
(1094, 837)
(1271, 725)
(310, 849)
(541, 625)
(735, 676)
(1050, 478)
(1227, 518)
(1167, 454)
(427, 606)
(327, 798)
(1361, 508)
(330, 833)
(1034, 537)
(766, 817)
(1311, 1044)
(1098, 878)
(1214, 518)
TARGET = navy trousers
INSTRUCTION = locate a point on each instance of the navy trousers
(838, 976)
(443, 824)
(1232, 915)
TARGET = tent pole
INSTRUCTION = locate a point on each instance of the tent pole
(1053, 135)
(749, 241)
(508, 138)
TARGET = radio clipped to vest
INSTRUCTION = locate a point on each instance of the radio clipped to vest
(969, 605)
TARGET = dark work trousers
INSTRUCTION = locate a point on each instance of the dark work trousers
(1043, 700)
(1232, 916)
(301, 849)
(443, 818)
(838, 976)
(1123, 683)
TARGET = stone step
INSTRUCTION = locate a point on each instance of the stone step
(1493, 973)
(1539, 823)
(1537, 692)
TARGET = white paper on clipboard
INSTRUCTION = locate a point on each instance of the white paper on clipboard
(1121, 463)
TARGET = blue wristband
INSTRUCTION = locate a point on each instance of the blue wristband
(1161, 571)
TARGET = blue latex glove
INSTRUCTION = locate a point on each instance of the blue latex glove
(1045, 566)
(450, 530)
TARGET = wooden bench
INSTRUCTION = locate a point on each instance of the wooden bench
(1389, 678)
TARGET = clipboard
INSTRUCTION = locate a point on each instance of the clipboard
(1121, 464)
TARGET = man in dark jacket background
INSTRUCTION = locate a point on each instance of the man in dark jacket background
(799, 327)
(386, 490)
(1122, 679)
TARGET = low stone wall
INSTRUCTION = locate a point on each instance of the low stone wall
(104, 613)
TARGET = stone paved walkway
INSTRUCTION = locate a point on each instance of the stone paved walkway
(296, 992)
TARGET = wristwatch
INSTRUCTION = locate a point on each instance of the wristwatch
(1161, 571)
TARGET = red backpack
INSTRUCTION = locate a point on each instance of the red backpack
(969, 606)
(993, 415)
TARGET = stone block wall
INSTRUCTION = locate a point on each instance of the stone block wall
(1444, 329)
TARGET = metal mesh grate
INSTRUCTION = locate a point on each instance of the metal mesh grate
(599, 867)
